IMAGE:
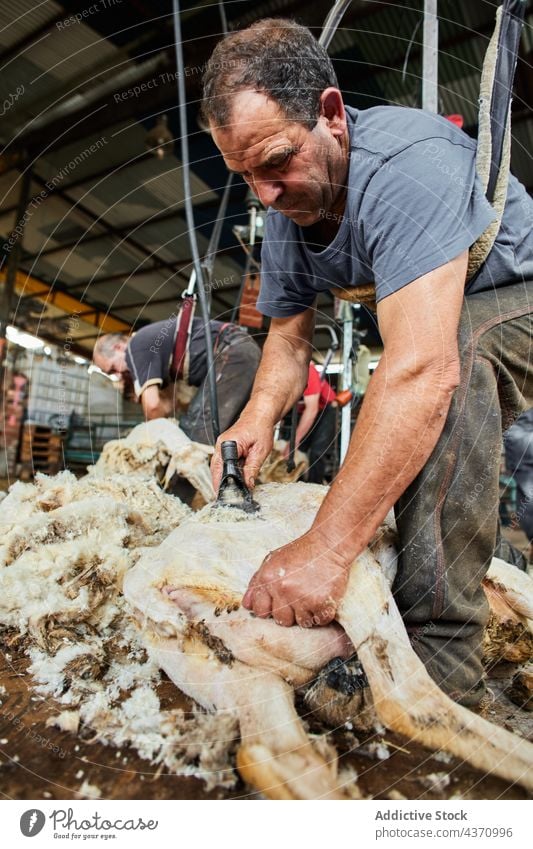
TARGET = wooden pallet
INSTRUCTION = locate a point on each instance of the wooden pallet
(40, 451)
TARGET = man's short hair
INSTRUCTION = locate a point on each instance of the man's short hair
(275, 56)
(105, 345)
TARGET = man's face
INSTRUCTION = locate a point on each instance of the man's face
(116, 363)
(299, 172)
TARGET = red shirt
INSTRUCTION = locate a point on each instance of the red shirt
(316, 387)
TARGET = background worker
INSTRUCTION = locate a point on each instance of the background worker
(148, 357)
(315, 431)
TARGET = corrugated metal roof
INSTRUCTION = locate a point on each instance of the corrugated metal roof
(21, 17)
(75, 49)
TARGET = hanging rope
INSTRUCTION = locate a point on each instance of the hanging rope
(493, 154)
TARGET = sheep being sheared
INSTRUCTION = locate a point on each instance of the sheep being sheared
(186, 595)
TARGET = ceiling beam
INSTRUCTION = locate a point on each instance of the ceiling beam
(26, 284)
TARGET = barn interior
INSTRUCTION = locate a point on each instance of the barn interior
(95, 239)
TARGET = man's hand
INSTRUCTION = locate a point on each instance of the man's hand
(254, 442)
(301, 583)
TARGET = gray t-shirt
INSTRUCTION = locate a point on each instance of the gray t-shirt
(150, 351)
(414, 202)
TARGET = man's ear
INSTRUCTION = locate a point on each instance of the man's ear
(332, 109)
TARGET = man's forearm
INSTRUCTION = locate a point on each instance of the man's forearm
(399, 425)
(156, 406)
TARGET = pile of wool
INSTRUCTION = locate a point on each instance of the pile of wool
(508, 634)
(160, 449)
(275, 470)
(66, 545)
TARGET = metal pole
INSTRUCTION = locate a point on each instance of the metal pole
(430, 57)
(330, 25)
(346, 413)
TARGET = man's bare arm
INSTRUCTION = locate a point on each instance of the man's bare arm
(405, 406)
(154, 404)
(401, 419)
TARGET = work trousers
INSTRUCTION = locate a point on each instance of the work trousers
(236, 359)
(447, 518)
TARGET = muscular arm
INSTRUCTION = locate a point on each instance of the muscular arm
(401, 419)
(279, 383)
(156, 405)
(404, 409)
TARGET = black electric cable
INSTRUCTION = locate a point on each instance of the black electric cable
(202, 295)
(209, 259)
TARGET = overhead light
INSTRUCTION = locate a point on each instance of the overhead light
(80, 360)
(159, 139)
(25, 340)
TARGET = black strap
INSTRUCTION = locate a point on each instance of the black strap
(513, 12)
(182, 337)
